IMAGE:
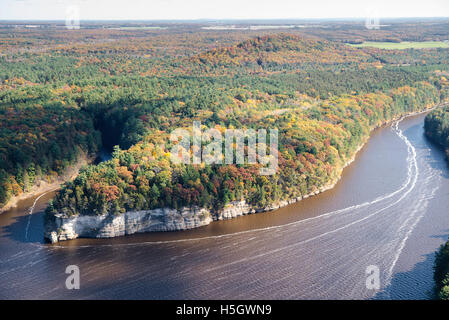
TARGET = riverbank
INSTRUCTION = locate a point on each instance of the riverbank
(60, 227)
(43, 186)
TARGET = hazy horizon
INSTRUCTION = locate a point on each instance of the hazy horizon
(228, 19)
(157, 10)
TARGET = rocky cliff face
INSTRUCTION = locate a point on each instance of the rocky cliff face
(107, 226)
(61, 228)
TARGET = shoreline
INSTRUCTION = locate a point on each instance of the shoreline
(333, 183)
(166, 219)
(42, 186)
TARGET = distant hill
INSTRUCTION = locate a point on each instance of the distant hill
(271, 51)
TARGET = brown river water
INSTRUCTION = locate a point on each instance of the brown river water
(390, 210)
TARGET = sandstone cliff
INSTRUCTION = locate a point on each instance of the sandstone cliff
(60, 227)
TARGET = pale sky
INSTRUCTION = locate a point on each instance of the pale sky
(223, 9)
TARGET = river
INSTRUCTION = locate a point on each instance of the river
(389, 210)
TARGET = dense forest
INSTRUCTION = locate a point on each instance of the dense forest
(40, 142)
(441, 272)
(127, 91)
(437, 127)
